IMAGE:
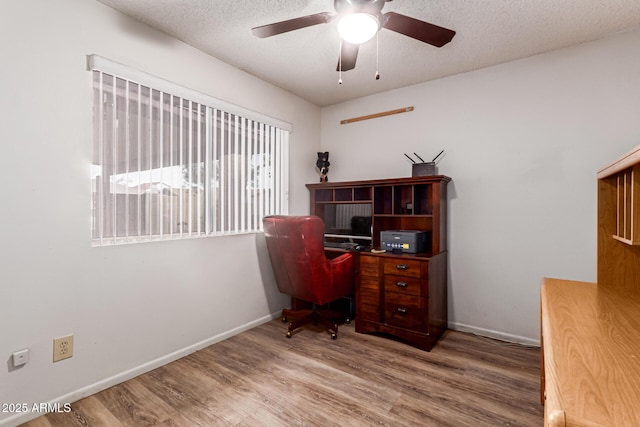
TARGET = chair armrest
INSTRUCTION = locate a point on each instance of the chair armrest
(346, 257)
(343, 274)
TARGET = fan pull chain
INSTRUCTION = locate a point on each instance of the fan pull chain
(340, 63)
(377, 54)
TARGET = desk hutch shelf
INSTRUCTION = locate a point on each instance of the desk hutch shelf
(397, 204)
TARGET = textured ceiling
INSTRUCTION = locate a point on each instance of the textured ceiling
(303, 62)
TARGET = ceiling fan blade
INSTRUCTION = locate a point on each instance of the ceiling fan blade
(348, 56)
(292, 24)
(419, 30)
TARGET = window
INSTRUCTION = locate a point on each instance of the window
(169, 163)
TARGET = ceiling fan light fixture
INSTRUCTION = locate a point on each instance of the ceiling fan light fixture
(358, 28)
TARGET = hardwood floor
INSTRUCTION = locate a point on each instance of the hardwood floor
(261, 378)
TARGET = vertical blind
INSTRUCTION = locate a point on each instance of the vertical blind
(166, 166)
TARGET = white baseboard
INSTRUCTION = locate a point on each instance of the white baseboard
(494, 334)
(74, 396)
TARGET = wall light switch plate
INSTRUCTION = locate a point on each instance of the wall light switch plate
(20, 358)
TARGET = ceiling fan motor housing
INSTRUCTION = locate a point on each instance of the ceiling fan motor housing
(372, 7)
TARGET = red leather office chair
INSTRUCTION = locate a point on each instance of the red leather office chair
(301, 269)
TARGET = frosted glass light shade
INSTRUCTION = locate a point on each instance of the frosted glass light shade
(357, 28)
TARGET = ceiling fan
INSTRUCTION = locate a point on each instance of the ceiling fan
(356, 15)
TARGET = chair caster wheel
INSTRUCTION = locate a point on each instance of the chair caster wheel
(347, 321)
(334, 336)
(284, 319)
(288, 334)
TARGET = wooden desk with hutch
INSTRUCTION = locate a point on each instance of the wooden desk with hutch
(590, 333)
(404, 295)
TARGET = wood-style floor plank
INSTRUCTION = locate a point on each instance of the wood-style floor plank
(261, 378)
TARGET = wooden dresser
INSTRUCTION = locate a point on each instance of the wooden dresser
(402, 296)
(590, 332)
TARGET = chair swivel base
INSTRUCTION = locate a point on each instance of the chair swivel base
(315, 316)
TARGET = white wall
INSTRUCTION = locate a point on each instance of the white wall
(129, 307)
(523, 143)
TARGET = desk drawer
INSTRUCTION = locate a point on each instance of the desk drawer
(368, 299)
(369, 265)
(404, 285)
(405, 311)
(405, 267)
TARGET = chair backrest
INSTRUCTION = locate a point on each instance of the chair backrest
(296, 250)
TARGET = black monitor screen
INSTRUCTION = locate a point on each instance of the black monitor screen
(348, 219)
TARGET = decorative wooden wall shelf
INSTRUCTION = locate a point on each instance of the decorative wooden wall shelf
(376, 115)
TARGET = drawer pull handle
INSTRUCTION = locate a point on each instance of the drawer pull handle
(402, 266)
(401, 284)
(402, 310)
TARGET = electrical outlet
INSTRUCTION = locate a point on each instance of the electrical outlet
(62, 348)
